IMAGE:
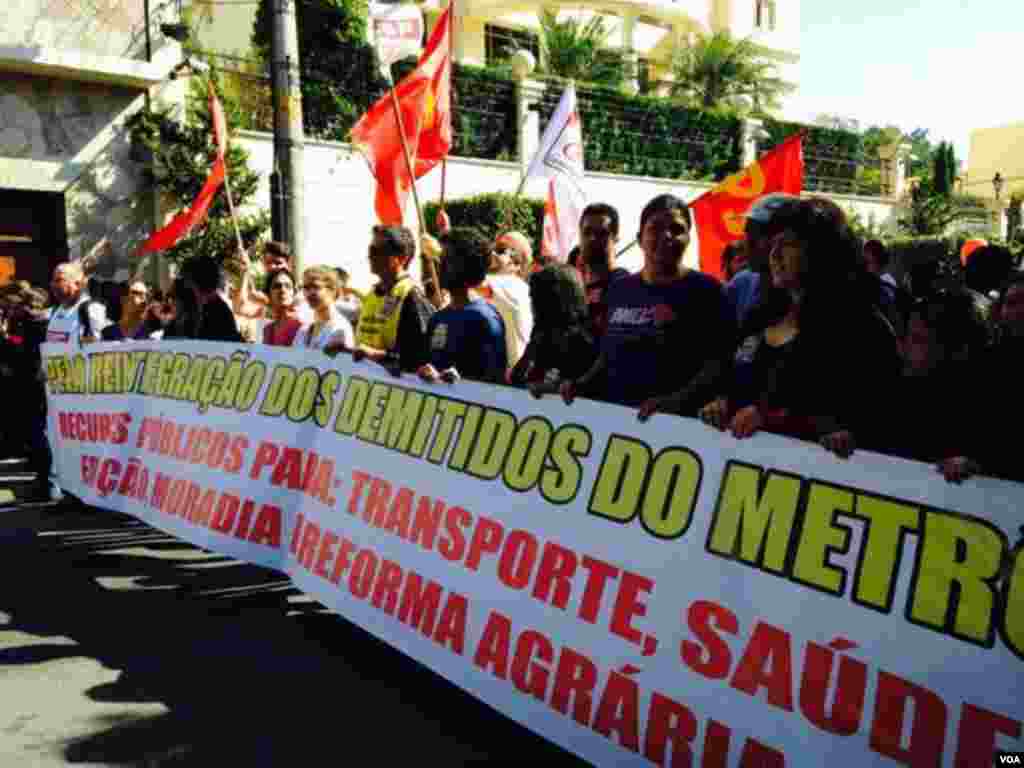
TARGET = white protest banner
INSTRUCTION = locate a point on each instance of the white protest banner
(396, 32)
(637, 593)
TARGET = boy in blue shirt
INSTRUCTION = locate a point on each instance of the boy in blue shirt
(466, 338)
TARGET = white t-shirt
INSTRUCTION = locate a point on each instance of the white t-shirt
(65, 326)
(337, 329)
(511, 297)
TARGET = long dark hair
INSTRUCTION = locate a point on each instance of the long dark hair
(186, 324)
(557, 299)
(835, 283)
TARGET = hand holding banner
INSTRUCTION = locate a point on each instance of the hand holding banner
(640, 594)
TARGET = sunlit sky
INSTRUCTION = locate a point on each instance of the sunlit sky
(946, 65)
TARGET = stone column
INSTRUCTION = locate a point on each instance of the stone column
(895, 157)
(527, 120)
(999, 218)
(752, 131)
(629, 56)
(902, 168)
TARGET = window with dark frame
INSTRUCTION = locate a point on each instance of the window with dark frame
(500, 43)
(764, 14)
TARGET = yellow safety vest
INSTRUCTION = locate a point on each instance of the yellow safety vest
(379, 315)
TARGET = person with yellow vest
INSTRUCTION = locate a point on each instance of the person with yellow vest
(392, 329)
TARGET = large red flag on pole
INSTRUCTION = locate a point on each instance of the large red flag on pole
(421, 105)
(220, 138)
(719, 213)
(189, 218)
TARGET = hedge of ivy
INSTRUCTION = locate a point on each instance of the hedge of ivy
(491, 214)
(834, 160)
(648, 136)
(483, 111)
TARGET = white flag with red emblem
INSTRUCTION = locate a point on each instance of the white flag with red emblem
(560, 160)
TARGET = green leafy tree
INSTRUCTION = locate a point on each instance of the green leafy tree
(183, 153)
(340, 71)
(929, 212)
(577, 50)
(940, 171)
(944, 169)
(921, 150)
(719, 71)
(952, 166)
(875, 137)
(865, 229)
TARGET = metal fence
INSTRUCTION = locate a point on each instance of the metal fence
(649, 136)
(483, 102)
(835, 160)
(639, 135)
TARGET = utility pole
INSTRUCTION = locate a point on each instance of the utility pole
(288, 135)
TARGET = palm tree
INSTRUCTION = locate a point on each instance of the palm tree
(576, 50)
(719, 71)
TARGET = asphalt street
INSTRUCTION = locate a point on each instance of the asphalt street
(123, 646)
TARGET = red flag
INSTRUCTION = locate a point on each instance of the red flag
(186, 220)
(435, 139)
(719, 212)
(220, 125)
(424, 98)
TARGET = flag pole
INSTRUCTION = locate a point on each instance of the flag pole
(217, 117)
(412, 178)
(451, 66)
(231, 207)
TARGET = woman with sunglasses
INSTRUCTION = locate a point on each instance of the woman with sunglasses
(507, 290)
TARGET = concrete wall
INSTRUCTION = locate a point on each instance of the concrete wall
(108, 28)
(339, 198)
(224, 28)
(71, 73)
(996, 149)
(65, 136)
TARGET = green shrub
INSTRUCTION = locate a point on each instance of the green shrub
(492, 213)
(832, 157)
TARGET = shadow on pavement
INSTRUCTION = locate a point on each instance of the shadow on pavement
(251, 672)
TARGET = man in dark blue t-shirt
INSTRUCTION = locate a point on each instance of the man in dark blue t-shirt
(670, 329)
(466, 338)
(660, 335)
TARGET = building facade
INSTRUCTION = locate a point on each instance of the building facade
(648, 31)
(69, 78)
(996, 150)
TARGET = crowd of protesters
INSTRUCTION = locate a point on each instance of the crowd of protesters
(809, 336)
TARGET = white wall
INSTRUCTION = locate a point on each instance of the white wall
(339, 198)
